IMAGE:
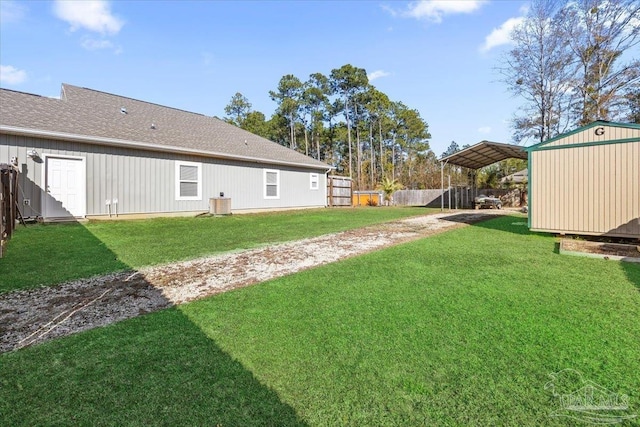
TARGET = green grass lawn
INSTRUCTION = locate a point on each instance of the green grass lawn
(459, 329)
(53, 253)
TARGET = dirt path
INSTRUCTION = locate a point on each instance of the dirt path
(33, 316)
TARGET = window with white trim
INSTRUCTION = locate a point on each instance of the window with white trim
(314, 181)
(271, 184)
(188, 181)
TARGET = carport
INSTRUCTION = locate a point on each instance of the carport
(478, 156)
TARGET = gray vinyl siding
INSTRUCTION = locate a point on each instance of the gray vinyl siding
(144, 181)
(30, 172)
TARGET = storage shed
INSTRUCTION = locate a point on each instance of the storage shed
(587, 182)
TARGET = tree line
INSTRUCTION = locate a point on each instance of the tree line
(343, 120)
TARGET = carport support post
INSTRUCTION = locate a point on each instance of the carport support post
(474, 187)
(442, 185)
(449, 191)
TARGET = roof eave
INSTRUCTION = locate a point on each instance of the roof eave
(113, 142)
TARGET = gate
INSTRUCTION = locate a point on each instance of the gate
(339, 191)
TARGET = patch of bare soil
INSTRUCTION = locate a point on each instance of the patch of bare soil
(36, 315)
(601, 248)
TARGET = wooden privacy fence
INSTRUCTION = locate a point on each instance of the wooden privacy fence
(418, 197)
(459, 197)
(339, 191)
(8, 205)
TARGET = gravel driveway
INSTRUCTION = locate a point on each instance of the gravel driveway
(33, 316)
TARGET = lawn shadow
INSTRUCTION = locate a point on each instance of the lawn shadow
(159, 369)
(33, 316)
(64, 251)
(66, 291)
(516, 224)
(154, 369)
(632, 270)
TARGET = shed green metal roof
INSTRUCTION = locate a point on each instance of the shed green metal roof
(597, 123)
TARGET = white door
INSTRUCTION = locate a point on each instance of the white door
(65, 187)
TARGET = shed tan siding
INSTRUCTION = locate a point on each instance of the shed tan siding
(589, 135)
(590, 189)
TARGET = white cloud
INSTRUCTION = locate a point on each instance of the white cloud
(11, 11)
(11, 75)
(377, 74)
(435, 10)
(92, 15)
(484, 129)
(93, 44)
(391, 11)
(98, 44)
(501, 35)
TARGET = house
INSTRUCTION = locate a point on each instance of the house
(91, 154)
(587, 181)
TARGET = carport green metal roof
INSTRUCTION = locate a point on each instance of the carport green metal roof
(485, 153)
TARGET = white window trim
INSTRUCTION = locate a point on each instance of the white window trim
(314, 178)
(264, 183)
(177, 179)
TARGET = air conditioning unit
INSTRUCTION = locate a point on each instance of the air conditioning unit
(220, 206)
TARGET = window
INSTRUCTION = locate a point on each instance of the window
(313, 178)
(188, 181)
(271, 184)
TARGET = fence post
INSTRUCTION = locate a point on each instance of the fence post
(8, 208)
(2, 213)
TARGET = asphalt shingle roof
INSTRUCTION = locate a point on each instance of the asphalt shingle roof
(100, 116)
